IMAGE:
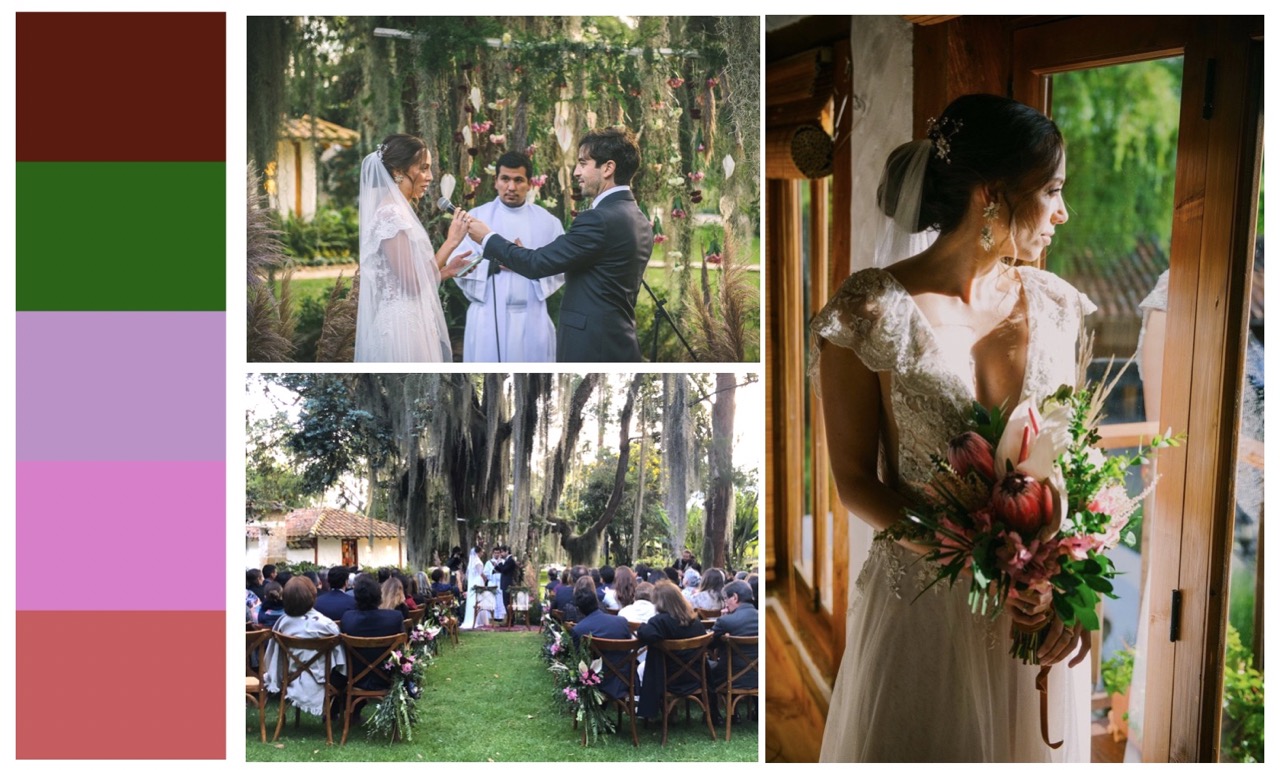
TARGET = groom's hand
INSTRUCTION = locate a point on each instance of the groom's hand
(476, 229)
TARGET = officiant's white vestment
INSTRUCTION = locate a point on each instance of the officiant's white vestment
(499, 601)
(517, 327)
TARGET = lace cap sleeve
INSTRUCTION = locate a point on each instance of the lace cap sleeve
(1158, 299)
(864, 316)
(389, 220)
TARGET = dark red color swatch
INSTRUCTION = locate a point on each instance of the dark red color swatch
(121, 685)
(121, 87)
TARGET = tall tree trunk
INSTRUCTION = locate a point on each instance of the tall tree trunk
(675, 457)
(640, 469)
(584, 548)
(561, 460)
(720, 498)
(529, 389)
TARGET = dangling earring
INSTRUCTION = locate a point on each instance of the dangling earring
(989, 215)
(399, 178)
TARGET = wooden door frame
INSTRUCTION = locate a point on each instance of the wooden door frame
(1219, 148)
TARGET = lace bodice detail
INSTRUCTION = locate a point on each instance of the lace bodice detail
(875, 317)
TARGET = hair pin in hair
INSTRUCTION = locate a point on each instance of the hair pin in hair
(381, 149)
(940, 133)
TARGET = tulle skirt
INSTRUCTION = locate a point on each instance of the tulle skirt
(927, 680)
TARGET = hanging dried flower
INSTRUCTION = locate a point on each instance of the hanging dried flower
(498, 139)
(457, 137)
(696, 196)
(695, 113)
(697, 176)
(675, 82)
(713, 82)
(472, 151)
(659, 238)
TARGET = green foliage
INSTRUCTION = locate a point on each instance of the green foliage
(1241, 611)
(333, 435)
(332, 236)
(1242, 704)
(1117, 671)
(270, 478)
(1121, 128)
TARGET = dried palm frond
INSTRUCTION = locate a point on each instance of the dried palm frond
(269, 322)
(338, 335)
(265, 251)
(723, 336)
(264, 340)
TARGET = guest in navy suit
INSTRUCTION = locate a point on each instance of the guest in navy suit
(740, 618)
(601, 625)
(675, 619)
(368, 621)
(336, 602)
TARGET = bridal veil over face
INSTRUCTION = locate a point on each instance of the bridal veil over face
(399, 318)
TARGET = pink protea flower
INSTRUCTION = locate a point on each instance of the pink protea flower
(659, 238)
(538, 180)
(406, 668)
(697, 176)
(1022, 503)
(498, 139)
(678, 214)
(714, 259)
(970, 452)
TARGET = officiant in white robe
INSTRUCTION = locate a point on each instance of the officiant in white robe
(507, 319)
(493, 578)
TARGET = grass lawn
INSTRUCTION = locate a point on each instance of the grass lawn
(490, 700)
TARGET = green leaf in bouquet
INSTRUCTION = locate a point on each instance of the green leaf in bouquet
(1064, 609)
(1090, 567)
(1100, 584)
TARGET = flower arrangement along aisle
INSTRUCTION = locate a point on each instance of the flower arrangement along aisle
(1027, 502)
(577, 677)
(397, 712)
(422, 639)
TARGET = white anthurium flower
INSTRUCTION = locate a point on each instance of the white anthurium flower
(582, 667)
(597, 665)
(447, 185)
(466, 135)
(727, 204)
(729, 165)
(591, 119)
(563, 126)
(475, 97)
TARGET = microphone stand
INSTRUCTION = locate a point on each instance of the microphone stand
(659, 314)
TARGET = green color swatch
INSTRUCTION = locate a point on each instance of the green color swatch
(121, 236)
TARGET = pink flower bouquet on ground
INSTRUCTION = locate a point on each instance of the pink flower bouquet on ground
(1027, 502)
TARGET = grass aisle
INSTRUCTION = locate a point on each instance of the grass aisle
(490, 700)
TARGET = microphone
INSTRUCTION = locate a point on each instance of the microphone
(446, 206)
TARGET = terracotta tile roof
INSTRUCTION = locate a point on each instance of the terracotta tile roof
(325, 132)
(308, 523)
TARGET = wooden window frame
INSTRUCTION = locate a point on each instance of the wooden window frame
(1215, 211)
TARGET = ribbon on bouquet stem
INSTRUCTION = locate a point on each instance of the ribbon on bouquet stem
(1042, 684)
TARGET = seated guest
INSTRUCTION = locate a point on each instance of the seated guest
(300, 619)
(406, 588)
(314, 578)
(253, 582)
(607, 597)
(283, 577)
(754, 581)
(691, 582)
(439, 587)
(383, 574)
(553, 583)
(421, 589)
(601, 625)
(710, 594)
(335, 602)
(272, 608)
(670, 573)
(641, 607)
(595, 577)
(624, 587)
(393, 597)
(269, 574)
(563, 599)
(369, 620)
(742, 575)
(674, 619)
(740, 618)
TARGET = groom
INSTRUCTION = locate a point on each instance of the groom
(603, 256)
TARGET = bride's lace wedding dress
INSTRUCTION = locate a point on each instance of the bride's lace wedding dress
(923, 678)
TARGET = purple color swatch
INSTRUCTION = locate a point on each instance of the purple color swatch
(132, 514)
(121, 386)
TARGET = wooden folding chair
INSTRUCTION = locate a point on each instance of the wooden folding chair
(685, 667)
(624, 670)
(519, 606)
(416, 616)
(295, 659)
(449, 623)
(255, 690)
(713, 614)
(365, 656)
(732, 689)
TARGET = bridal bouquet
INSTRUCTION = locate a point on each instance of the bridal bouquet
(397, 713)
(1027, 502)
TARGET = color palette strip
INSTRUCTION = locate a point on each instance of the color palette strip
(121, 371)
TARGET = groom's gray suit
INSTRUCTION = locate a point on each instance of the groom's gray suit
(603, 257)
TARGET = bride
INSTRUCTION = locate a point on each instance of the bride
(905, 349)
(398, 317)
(475, 579)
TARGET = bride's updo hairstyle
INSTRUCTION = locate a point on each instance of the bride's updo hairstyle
(980, 139)
(399, 151)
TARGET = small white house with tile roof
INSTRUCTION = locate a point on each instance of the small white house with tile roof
(329, 536)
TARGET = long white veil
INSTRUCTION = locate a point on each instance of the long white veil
(399, 318)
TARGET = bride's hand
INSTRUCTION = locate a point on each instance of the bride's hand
(1029, 608)
(457, 266)
(1060, 641)
(458, 227)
